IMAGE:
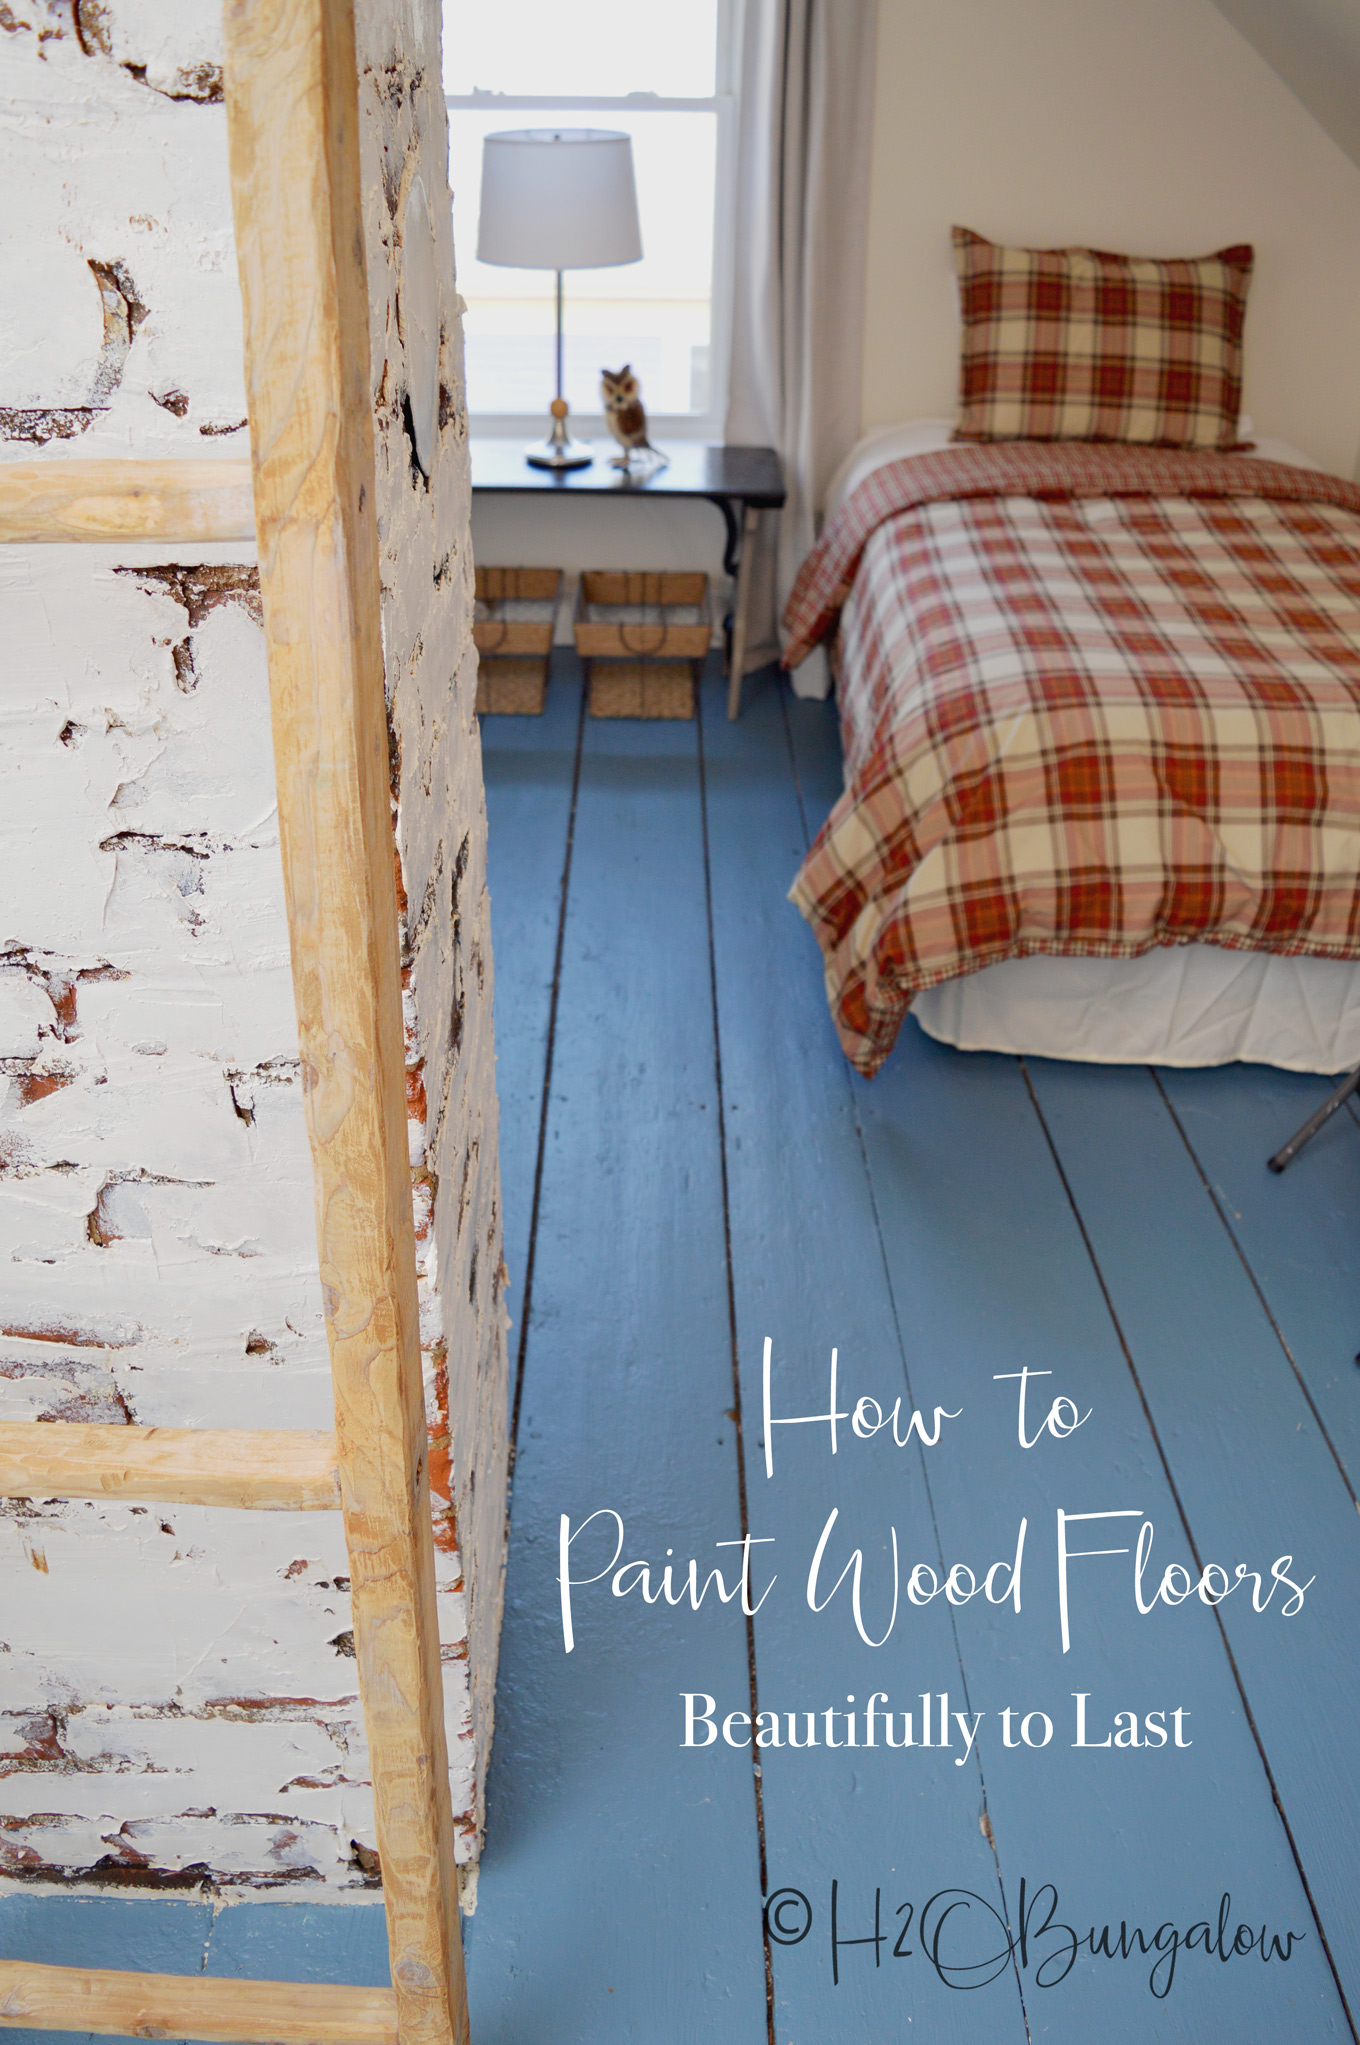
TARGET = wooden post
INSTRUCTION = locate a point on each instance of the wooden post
(750, 519)
(292, 114)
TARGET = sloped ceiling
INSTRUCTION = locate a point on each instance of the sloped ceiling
(1314, 46)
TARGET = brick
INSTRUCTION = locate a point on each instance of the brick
(173, 1703)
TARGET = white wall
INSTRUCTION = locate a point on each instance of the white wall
(1315, 47)
(1149, 126)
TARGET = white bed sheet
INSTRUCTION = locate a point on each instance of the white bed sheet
(1193, 1004)
(928, 436)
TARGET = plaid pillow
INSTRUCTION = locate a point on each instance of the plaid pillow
(1076, 344)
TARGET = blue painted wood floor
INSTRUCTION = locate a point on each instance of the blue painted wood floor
(689, 1167)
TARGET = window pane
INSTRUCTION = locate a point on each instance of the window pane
(581, 48)
(655, 314)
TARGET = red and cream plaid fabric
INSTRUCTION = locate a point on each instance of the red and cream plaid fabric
(1077, 344)
(1084, 719)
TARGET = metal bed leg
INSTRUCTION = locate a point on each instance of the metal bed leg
(1336, 1099)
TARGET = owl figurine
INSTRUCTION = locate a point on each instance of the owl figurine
(627, 419)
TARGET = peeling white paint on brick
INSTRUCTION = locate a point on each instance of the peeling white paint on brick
(431, 670)
(104, 167)
(177, 1691)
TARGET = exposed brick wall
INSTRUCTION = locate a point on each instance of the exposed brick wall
(177, 1696)
(417, 356)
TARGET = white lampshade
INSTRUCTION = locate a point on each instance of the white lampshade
(558, 199)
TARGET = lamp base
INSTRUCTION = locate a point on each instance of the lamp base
(559, 454)
(559, 450)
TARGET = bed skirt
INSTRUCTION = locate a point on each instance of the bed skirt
(1191, 1004)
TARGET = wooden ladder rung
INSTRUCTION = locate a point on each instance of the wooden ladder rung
(261, 1469)
(126, 500)
(109, 2001)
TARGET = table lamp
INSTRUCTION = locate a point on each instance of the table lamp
(558, 199)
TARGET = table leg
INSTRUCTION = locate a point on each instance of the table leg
(737, 659)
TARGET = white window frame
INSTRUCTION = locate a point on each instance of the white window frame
(722, 103)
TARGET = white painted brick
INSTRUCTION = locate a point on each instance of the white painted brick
(174, 1690)
(114, 170)
(25, 1015)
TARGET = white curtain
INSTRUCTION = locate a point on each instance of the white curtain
(805, 117)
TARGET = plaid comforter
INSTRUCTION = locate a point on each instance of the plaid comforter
(1093, 699)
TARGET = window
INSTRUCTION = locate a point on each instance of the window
(660, 70)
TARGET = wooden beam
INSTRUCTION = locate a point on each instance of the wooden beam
(106, 2000)
(292, 118)
(132, 500)
(741, 610)
(273, 1471)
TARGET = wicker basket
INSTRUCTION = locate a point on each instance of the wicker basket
(513, 633)
(642, 688)
(643, 635)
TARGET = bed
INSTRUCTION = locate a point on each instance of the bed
(1100, 708)
(1097, 658)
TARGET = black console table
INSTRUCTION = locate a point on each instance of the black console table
(741, 481)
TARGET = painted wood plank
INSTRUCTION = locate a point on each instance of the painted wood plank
(1298, 1230)
(620, 1887)
(821, 778)
(283, 1939)
(808, 1272)
(1254, 1476)
(528, 764)
(814, 742)
(992, 1275)
(291, 86)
